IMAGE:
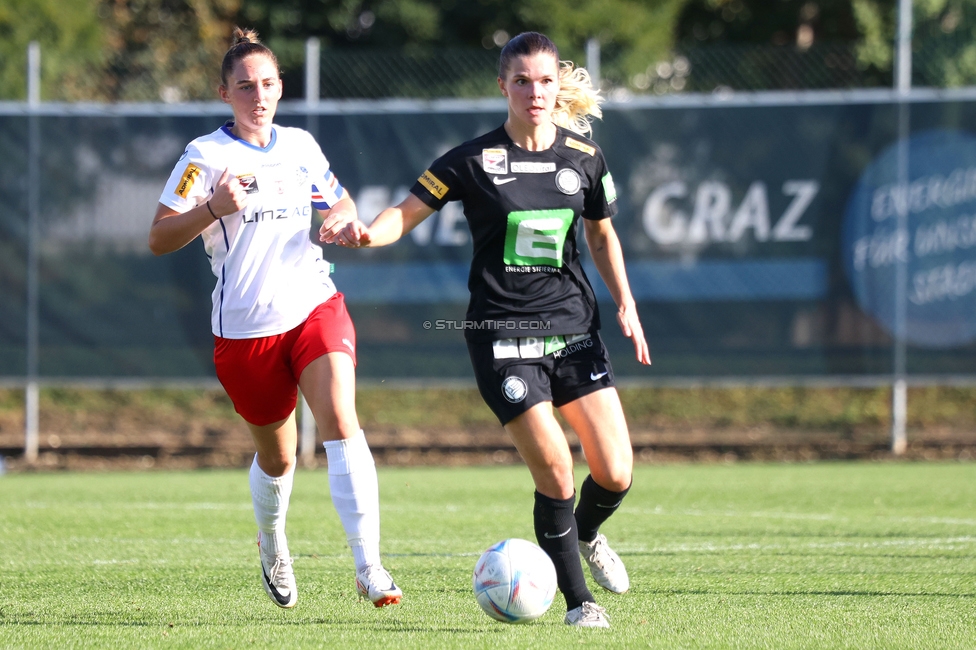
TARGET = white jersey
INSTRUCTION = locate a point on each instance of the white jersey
(270, 276)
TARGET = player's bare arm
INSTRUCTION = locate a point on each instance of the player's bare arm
(389, 226)
(609, 260)
(172, 230)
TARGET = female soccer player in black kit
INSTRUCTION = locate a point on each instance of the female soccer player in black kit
(524, 187)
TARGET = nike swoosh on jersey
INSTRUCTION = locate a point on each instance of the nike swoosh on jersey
(594, 376)
(502, 181)
(548, 536)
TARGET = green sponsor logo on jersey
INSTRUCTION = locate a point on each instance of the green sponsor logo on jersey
(536, 237)
(608, 189)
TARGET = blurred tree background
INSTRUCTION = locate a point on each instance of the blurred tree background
(169, 50)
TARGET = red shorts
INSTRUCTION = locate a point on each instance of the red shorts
(261, 375)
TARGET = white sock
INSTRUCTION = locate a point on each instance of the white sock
(356, 496)
(270, 496)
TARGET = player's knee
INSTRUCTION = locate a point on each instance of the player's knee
(616, 477)
(555, 480)
(335, 427)
(274, 464)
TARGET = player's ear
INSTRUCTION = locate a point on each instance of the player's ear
(501, 87)
(222, 92)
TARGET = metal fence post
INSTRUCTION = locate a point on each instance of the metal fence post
(903, 86)
(32, 389)
(593, 61)
(313, 58)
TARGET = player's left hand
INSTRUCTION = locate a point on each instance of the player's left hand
(631, 327)
(354, 235)
(334, 221)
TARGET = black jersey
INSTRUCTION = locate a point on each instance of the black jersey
(523, 208)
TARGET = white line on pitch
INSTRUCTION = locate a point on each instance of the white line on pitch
(659, 511)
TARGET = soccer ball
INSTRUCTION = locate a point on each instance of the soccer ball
(514, 581)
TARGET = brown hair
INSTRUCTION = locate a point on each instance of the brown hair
(244, 43)
(577, 99)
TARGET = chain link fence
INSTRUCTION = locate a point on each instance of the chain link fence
(753, 68)
(377, 74)
(465, 73)
(187, 75)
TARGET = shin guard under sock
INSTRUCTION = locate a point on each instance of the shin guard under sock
(596, 504)
(270, 496)
(355, 495)
(555, 530)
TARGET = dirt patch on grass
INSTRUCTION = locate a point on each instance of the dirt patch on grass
(188, 429)
(149, 446)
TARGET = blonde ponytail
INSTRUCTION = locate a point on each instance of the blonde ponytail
(577, 99)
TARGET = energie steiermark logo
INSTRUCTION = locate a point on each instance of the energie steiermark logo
(938, 247)
(536, 237)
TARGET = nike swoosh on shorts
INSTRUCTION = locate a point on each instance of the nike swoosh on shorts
(594, 376)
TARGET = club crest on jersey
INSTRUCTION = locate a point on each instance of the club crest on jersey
(514, 389)
(301, 176)
(249, 182)
(568, 181)
(495, 161)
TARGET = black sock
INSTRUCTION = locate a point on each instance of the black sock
(555, 529)
(596, 504)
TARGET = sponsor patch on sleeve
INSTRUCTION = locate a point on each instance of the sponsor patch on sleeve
(579, 146)
(186, 182)
(433, 184)
(608, 188)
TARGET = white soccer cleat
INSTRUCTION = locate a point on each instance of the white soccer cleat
(587, 615)
(278, 578)
(606, 566)
(375, 584)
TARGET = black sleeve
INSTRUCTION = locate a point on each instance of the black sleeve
(600, 201)
(440, 183)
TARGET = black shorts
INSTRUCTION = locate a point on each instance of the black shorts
(516, 374)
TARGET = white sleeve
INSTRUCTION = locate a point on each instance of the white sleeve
(189, 183)
(326, 190)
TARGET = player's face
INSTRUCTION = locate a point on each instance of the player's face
(253, 90)
(531, 84)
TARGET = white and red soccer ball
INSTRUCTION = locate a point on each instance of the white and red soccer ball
(514, 581)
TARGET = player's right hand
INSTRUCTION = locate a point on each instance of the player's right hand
(354, 235)
(229, 196)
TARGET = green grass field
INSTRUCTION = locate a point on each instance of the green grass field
(771, 556)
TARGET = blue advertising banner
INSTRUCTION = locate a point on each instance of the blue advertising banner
(760, 240)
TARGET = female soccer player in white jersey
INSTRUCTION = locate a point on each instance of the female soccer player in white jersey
(524, 187)
(278, 322)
